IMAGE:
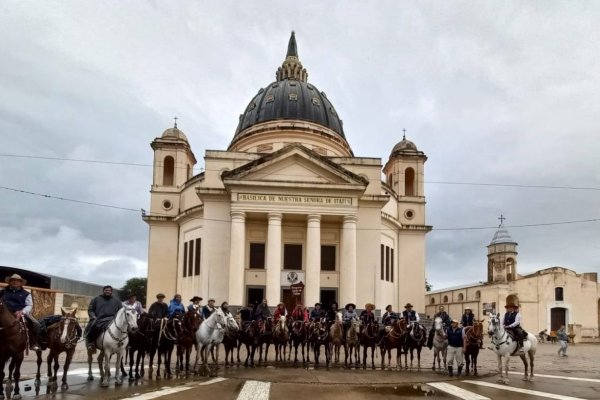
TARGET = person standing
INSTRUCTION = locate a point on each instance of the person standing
(102, 310)
(133, 303)
(176, 308)
(563, 340)
(20, 303)
(159, 309)
(455, 347)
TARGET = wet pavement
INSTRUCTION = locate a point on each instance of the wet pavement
(275, 381)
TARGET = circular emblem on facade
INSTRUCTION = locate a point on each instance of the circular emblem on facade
(292, 277)
(167, 205)
(409, 214)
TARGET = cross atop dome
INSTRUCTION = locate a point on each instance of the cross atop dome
(292, 67)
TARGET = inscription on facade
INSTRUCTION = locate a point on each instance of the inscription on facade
(287, 199)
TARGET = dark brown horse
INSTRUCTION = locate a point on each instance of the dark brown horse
(14, 342)
(281, 337)
(249, 336)
(266, 338)
(168, 335)
(473, 337)
(415, 339)
(189, 325)
(230, 343)
(139, 344)
(299, 338)
(369, 337)
(319, 336)
(394, 339)
(62, 337)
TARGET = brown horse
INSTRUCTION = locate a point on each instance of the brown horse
(336, 335)
(62, 337)
(369, 337)
(352, 342)
(249, 336)
(14, 342)
(266, 338)
(189, 325)
(168, 335)
(319, 336)
(394, 339)
(281, 336)
(139, 342)
(473, 337)
(415, 339)
(299, 338)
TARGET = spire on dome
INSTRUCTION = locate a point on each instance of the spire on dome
(292, 67)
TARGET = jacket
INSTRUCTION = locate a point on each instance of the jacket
(300, 314)
(17, 300)
(349, 316)
(207, 311)
(316, 314)
(102, 307)
(367, 317)
(278, 313)
(262, 312)
(158, 310)
(467, 320)
(455, 337)
(175, 307)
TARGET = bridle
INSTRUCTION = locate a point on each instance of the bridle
(71, 335)
(124, 334)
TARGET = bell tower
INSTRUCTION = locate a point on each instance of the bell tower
(502, 256)
(405, 175)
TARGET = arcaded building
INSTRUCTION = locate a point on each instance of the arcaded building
(288, 202)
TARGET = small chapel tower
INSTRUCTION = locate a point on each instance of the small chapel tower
(405, 175)
(502, 256)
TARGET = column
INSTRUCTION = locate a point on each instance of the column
(348, 261)
(274, 259)
(313, 260)
(237, 252)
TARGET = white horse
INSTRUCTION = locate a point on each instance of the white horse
(113, 340)
(504, 346)
(210, 335)
(440, 343)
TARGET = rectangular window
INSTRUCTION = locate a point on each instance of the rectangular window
(191, 258)
(382, 261)
(327, 258)
(292, 256)
(197, 257)
(257, 256)
(185, 253)
(387, 263)
(391, 265)
(558, 294)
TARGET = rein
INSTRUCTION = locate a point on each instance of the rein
(119, 340)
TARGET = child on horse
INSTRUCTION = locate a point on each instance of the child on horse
(512, 321)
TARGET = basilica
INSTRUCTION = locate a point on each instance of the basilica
(288, 212)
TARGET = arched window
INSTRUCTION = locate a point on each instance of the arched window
(445, 299)
(432, 301)
(558, 294)
(409, 182)
(168, 171)
(478, 295)
(461, 297)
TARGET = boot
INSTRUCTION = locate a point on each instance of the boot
(450, 372)
(459, 370)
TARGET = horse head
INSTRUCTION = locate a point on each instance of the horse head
(130, 319)
(219, 318)
(230, 323)
(68, 328)
(356, 324)
(494, 325)
(478, 328)
(438, 324)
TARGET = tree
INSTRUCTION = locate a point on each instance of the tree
(138, 287)
(428, 286)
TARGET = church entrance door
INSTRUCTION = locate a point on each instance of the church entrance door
(289, 300)
(558, 317)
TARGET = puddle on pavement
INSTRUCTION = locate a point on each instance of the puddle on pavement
(404, 391)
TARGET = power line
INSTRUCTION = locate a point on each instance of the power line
(514, 185)
(250, 223)
(70, 200)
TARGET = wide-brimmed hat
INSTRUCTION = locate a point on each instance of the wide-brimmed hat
(408, 305)
(350, 304)
(159, 295)
(513, 305)
(468, 308)
(369, 306)
(196, 298)
(15, 277)
(453, 321)
(209, 300)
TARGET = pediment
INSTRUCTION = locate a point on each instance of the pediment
(294, 163)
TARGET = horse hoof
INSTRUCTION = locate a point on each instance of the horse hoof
(525, 378)
(104, 384)
(64, 387)
(118, 383)
(131, 379)
(89, 378)
(531, 379)
(499, 380)
(17, 397)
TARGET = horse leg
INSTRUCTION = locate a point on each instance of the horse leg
(38, 381)
(467, 363)
(475, 364)
(531, 357)
(435, 357)
(90, 360)
(54, 384)
(526, 366)
(17, 376)
(2, 366)
(68, 359)
(118, 361)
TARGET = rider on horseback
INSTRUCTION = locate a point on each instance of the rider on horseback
(102, 311)
(19, 302)
(159, 308)
(331, 313)
(349, 315)
(316, 314)
(411, 317)
(467, 320)
(208, 309)
(366, 316)
(176, 308)
(279, 312)
(195, 305)
(512, 321)
(300, 313)
(445, 322)
(133, 303)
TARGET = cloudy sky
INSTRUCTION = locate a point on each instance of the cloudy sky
(501, 93)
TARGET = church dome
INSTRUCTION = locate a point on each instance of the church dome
(174, 133)
(404, 146)
(502, 236)
(290, 97)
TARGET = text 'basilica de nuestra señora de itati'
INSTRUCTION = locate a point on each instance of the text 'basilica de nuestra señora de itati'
(288, 212)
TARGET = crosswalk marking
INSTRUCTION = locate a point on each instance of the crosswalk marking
(456, 391)
(570, 378)
(255, 390)
(524, 391)
(170, 390)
